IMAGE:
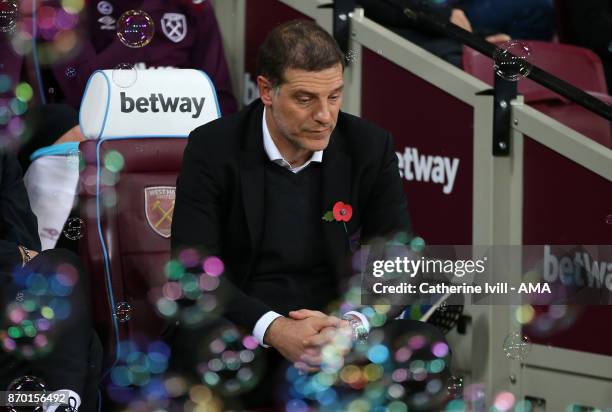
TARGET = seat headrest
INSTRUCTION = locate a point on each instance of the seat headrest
(161, 103)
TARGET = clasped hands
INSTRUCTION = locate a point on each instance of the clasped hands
(302, 336)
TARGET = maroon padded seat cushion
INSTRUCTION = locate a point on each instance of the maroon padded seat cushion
(137, 254)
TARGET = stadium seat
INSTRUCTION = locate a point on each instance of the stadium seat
(577, 66)
(127, 195)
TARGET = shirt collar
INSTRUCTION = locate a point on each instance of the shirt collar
(274, 154)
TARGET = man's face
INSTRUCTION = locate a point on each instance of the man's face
(305, 107)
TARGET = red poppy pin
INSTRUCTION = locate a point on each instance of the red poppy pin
(341, 212)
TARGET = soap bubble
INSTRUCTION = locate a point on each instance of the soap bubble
(609, 219)
(504, 401)
(513, 60)
(74, 159)
(26, 384)
(70, 72)
(114, 161)
(135, 28)
(417, 244)
(9, 11)
(75, 228)
(125, 75)
(454, 385)
(351, 56)
(123, 311)
(517, 346)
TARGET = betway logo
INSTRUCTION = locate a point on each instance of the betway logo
(580, 270)
(425, 168)
(169, 104)
(143, 66)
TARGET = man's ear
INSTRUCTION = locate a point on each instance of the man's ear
(265, 90)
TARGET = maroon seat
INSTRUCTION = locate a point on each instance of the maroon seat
(576, 65)
(127, 217)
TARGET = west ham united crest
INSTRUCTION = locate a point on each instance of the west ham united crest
(174, 26)
(159, 206)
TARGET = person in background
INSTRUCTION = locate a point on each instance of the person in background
(53, 279)
(519, 19)
(74, 43)
(496, 21)
(590, 26)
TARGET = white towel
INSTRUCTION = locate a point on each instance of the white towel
(51, 182)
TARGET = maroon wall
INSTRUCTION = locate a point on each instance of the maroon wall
(421, 116)
(566, 204)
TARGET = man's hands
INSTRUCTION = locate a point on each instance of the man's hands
(292, 337)
(335, 340)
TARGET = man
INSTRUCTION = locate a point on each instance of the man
(30, 278)
(495, 20)
(254, 186)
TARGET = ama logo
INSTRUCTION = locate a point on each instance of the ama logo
(158, 102)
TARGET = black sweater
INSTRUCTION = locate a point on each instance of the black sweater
(291, 272)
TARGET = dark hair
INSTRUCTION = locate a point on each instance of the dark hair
(297, 44)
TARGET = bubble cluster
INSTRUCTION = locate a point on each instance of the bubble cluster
(205, 372)
(543, 321)
(386, 373)
(516, 346)
(125, 75)
(200, 288)
(135, 28)
(229, 363)
(513, 60)
(74, 228)
(31, 322)
(9, 11)
(609, 219)
(139, 372)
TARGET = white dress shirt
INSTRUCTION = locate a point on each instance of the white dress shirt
(261, 326)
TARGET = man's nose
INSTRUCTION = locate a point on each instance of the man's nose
(322, 113)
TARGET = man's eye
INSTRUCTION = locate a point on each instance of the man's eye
(334, 97)
(304, 100)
